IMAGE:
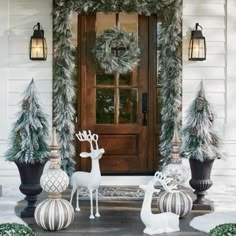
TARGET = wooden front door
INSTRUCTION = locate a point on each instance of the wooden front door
(121, 109)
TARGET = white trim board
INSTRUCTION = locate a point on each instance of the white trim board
(3, 104)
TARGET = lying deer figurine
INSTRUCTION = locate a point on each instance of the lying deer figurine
(157, 223)
(92, 179)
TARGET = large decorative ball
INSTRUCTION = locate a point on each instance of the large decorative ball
(54, 180)
(178, 202)
(178, 172)
(54, 214)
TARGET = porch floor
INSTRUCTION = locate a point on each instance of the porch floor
(118, 218)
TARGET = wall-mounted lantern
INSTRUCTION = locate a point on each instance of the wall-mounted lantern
(197, 45)
(38, 44)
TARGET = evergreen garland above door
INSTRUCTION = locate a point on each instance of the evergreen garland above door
(64, 61)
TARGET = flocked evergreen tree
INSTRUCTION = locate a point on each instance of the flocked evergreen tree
(28, 140)
(199, 139)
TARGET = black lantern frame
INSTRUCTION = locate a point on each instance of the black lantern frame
(38, 44)
(197, 45)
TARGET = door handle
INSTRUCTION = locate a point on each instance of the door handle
(144, 108)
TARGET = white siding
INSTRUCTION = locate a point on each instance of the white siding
(231, 70)
(4, 22)
(205, 9)
(17, 19)
(23, 15)
(3, 68)
(230, 128)
(218, 71)
(3, 104)
(211, 16)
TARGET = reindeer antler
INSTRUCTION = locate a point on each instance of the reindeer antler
(84, 136)
(88, 136)
(95, 139)
(166, 182)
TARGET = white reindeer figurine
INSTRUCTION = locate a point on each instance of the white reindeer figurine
(92, 179)
(157, 223)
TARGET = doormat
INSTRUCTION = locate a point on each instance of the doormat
(116, 193)
(111, 192)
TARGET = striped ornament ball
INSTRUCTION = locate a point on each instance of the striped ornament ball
(54, 214)
(178, 202)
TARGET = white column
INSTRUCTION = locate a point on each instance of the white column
(231, 71)
(4, 23)
(4, 26)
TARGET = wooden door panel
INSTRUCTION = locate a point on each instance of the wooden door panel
(119, 144)
(120, 165)
(126, 139)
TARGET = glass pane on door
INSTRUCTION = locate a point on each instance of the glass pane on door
(128, 106)
(104, 21)
(130, 78)
(105, 106)
(104, 79)
(116, 94)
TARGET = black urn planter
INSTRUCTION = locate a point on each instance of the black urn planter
(30, 185)
(201, 181)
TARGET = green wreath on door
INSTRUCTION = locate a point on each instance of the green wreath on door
(117, 51)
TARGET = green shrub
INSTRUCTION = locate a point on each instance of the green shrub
(223, 230)
(14, 229)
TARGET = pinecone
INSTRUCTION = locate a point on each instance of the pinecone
(211, 117)
(26, 104)
(200, 102)
(23, 133)
(39, 114)
(215, 140)
(17, 137)
(66, 128)
(193, 131)
(36, 146)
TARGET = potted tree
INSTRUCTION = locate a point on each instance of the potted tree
(28, 147)
(201, 145)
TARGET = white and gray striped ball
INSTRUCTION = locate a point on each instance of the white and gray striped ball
(54, 214)
(178, 202)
